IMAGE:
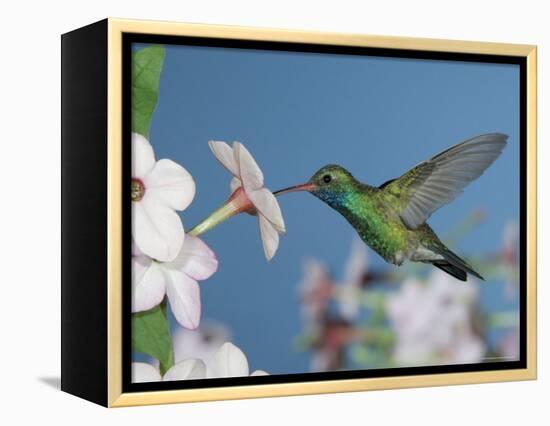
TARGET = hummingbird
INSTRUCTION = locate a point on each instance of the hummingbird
(391, 218)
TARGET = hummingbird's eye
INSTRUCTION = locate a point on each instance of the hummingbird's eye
(327, 178)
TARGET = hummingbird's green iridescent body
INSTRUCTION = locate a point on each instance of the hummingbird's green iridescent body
(391, 218)
(373, 215)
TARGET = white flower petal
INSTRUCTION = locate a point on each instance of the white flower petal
(259, 373)
(200, 343)
(190, 369)
(270, 237)
(184, 296)
(157, 229)
(250, 173)
(196, 259)
(143, 373)
(228, 361)
(135, 249)
(170, 184)
(148, 284)
(235, 184)
(143, 156)
(224, 153)
(266, 203)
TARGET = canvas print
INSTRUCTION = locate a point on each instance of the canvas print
(298, 213)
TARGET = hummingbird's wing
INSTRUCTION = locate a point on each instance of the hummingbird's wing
(437, 181)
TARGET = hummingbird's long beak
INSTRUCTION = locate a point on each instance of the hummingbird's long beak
(303, 187)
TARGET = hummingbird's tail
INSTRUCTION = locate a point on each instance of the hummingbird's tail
(453, 264)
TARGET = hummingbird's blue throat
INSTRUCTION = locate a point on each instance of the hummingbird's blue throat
(334, 199)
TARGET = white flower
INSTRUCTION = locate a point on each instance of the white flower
(200, 343)
(190, 369)
(152, 280)
(227, 361)
(249, 193)
(159, 188)
(433, 322)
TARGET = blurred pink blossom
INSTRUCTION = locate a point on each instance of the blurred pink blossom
(316, 290)
(434, 322)
(509, 258)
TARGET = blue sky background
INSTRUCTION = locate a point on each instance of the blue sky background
(296, 112)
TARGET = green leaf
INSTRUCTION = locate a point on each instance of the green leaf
(151, 336)
(146, 68)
